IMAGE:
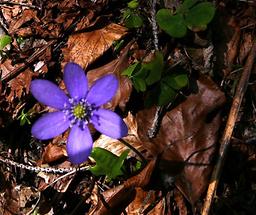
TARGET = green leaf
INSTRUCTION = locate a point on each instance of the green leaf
(4, 41)
(127, 13)
(133, 4)
(107, 163)
(133, 21)
(166, 94)
(176, 81)
(184, 8)
(155, 68)
(172, 24)
(139, 84)
(200, 15)
(131, 69)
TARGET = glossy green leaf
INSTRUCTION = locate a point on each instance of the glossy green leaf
(155, 68)
(172, 24)
(176, 81)
(200, 15)
(133, 21)
(4, 41)
(107, 163)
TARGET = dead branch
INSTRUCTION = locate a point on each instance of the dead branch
(225, 140)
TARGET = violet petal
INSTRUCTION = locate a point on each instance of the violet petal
(50, 125)
(48, 93)
(75, 81)
(79, 144)
(102, 90)
(109, 123)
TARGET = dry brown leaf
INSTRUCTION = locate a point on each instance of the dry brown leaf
(115, 67)
(143, 200)
(20, 85)
(186, 141)
(118, 198)
(53, 153)
(187, 138)
(26, 16)
(84, 48)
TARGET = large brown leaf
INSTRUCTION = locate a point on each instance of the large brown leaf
(187, 138)
(115, 200)
(84, 48)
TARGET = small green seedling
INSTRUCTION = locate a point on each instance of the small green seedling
(24, 118)
(107, 163)
(4, 41)
(132, 18)
(192, 14)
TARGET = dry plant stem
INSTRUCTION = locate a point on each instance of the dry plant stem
(154, 25)
(225, 140)
(29, 61)
(10, 3)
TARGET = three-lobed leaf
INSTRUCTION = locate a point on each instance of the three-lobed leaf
(190, 14)
(107, 163)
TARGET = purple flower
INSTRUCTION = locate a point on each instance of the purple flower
(76, 111)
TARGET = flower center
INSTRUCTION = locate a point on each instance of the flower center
(79, 111)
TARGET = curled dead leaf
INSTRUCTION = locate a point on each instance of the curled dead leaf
(84, 48)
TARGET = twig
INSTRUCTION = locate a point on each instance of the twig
(225, 140)
(6, 3)
(133, 149)
(154, 25)
(29, 61)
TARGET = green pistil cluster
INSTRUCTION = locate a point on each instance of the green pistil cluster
(79, 111)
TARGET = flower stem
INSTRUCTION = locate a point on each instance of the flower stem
(133, 149)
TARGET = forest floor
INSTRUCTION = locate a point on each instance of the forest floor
(187, 93)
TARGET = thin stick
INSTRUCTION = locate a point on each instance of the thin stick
(225, 140)
(6, 3)
(133, 149)
(154, 25)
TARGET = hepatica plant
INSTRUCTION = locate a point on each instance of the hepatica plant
(76, 110)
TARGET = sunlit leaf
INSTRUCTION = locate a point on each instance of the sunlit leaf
(107, 163)
(4, 41)
(133, 4)
(131, 69)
